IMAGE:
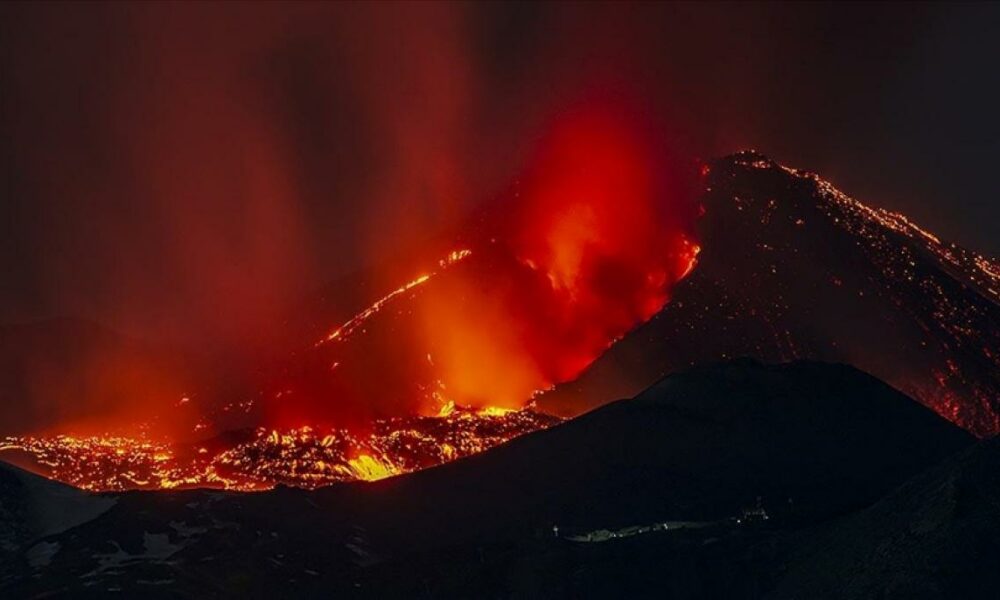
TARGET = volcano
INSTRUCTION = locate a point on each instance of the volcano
(785, 267)
(793, 268)
(491, 338)
(738, 478)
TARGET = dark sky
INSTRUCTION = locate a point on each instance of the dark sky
(183, 171)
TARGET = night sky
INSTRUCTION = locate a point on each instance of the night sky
(184, 171)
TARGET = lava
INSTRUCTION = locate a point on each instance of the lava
(585, 246)
(262, 458)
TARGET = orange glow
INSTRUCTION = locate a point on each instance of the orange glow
(345, 330)
(589, 251)
(494, 411)
(305, 456)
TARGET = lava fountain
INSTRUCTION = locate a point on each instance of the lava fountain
(591, 249)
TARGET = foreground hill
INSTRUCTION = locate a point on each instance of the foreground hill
(808, 443)
(935, 537)
(698, 445)
(32, 508)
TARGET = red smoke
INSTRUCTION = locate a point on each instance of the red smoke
(586, 246)
(593, 251)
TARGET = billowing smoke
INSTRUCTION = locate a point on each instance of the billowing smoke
(585, 245)
(596, 235)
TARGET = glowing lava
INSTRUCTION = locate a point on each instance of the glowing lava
(586, 246)
(262, 458)
(344, 331)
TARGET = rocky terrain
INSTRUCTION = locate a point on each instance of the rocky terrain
(850, 473)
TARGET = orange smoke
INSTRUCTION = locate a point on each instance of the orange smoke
(586, 246)
(593, 249)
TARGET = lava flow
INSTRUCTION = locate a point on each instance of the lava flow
(585, 246)
(259, 459)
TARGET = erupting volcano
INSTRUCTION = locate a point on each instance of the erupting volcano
(586, 245)
(516, 320)
(498, 300)
(793, 268)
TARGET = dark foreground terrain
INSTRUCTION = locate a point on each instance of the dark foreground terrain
(803, 480)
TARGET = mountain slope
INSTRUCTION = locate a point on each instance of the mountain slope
(935, 537)
(699, 446)
(791, 268)
(31, 508)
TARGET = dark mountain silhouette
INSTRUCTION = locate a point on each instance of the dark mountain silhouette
(934, 537)
(807, 442)
(32, 507)
(698, 445)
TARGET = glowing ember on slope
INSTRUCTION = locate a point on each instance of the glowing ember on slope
(345, 330)
(302, 457)
(936, 301)
(593, 242)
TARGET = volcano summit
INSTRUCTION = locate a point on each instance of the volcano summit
(744, 478)
(793, 268)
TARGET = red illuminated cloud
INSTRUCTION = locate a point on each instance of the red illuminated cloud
(592, 250)
(585, 247)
